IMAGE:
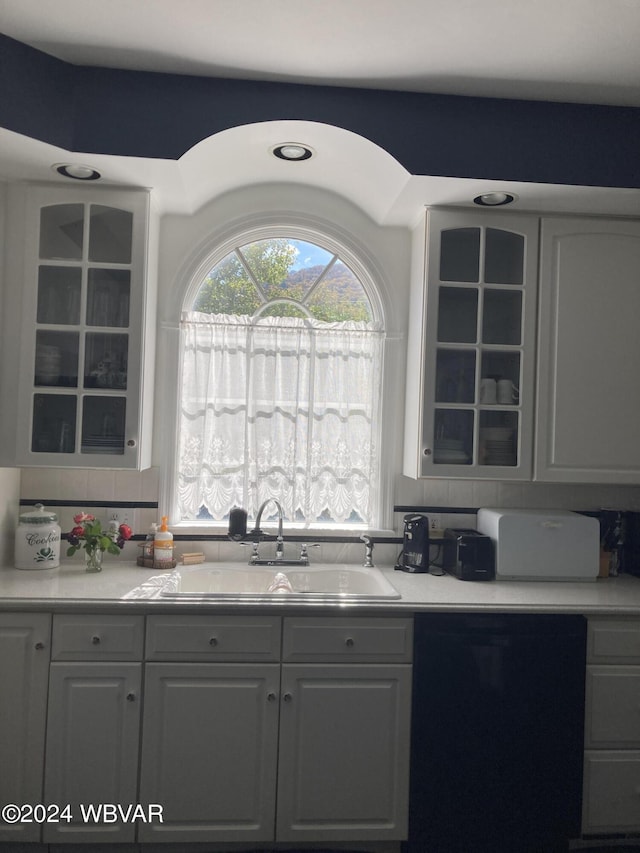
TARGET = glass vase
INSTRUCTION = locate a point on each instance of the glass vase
(93, 560)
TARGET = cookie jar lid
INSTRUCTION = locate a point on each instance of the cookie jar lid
(39, 515)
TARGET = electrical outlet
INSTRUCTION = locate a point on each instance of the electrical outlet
(435, 522)
(120, 515)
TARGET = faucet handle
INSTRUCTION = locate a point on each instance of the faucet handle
(303, 549)
(368, 551)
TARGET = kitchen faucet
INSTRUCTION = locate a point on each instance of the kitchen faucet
(258, 533)
(238, 531)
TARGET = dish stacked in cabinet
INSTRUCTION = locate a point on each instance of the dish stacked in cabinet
(611, 802)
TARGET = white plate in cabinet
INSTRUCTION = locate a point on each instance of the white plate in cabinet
(611, 802)
(333, 640)
(220, 638)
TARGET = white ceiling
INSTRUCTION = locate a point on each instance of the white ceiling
(565, 50)
(570, 50)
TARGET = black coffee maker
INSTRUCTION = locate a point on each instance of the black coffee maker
(415, 549)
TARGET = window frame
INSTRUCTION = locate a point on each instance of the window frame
(342, 243)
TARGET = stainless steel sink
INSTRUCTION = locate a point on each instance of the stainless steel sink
(321, 582)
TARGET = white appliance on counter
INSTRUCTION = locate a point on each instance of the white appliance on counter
(538, 544)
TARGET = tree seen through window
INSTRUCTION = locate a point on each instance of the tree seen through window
(283, 278)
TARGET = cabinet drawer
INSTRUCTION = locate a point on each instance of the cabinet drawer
(97, 637)
(224, 638)
(613, 707)
(613, 641)
(347, 639)
(611, 792)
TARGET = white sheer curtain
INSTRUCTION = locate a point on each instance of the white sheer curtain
(279, 407)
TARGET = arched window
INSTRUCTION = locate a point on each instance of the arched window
(281, 388)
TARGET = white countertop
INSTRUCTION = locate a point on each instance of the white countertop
(69, 587)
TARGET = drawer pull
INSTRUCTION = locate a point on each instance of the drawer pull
(131, 697)
(350, 642)
(213, 641)
(95, 640)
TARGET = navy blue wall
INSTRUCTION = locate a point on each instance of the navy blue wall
(142, 114)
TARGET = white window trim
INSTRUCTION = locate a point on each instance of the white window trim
(187, 283)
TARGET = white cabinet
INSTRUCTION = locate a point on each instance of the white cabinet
(85, 329)
(93, 723)
(210, 750)
(588, 352)
(24, 674)
(239, 747)
(344, 729)
(470, 362)
(210, 729)
(611, 801)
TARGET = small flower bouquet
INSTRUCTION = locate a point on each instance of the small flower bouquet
(89, 535)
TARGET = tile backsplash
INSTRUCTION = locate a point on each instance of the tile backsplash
(80, 486)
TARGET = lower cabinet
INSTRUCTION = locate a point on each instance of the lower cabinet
(611, 801)
(93, 726)
(255, 729)
(343, 767)
(209, 752)
(225, 741)
(24, 675)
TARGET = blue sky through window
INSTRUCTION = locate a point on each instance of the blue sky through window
(309, 255)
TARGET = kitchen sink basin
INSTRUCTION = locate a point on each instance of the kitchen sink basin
(321, 582)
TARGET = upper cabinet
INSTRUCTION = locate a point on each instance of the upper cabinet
(589, 351)
(84, 329)
(470, 366)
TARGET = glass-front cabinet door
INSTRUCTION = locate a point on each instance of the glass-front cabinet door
(80, 380)
(472, 396)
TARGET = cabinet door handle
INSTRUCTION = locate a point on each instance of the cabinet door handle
(39, 646)
(213, 641)
(427, 451)
(131, 697)
(271, 696)
(95, 640)
(350, 642)
(288, 697)
(131, 442)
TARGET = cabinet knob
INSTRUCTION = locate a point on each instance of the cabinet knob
(95, 640)
(427, 451)
(350, 642)
(288, 697)
(131, 442)
(39, 646)
(131, 697)
(213, 641)
(271, 696)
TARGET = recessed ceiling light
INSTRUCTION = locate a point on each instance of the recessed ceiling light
(292, 151)
(77, 171)
(494, 199)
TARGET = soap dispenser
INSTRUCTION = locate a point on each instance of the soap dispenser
(163, 546)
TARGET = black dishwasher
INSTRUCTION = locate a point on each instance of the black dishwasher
(498, 723)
